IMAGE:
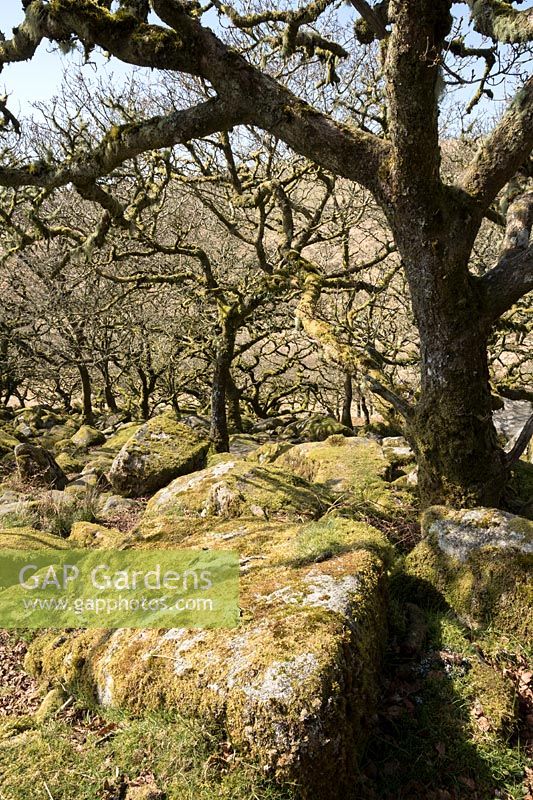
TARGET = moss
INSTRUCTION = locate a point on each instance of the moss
(119, 439)
(213, 459)
(29, 539)
(235, 489)
(352, 467)
(329, 537)
(293, 685)
(7, 442)
(181, 757)
(269, 452)
(519, 490)
(483, 685)
(158, 452)
(87, 437)
(494, 696)
(12, 726)
(91, 534)
(70, 464)
(317, 429)
(486, 584)
(51, 704)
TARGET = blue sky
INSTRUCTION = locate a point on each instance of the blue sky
(40, 78)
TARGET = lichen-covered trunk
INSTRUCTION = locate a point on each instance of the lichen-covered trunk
(346, 415)
(435, 227)
(109, 395)
(460, 461)
(219, 389)
(233, 406)
(87, 394)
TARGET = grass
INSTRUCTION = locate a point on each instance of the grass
(54, 516)
(182, 758)
(428, 742)
(58, 516)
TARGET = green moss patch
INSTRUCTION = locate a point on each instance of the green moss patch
(293, 685)
(92, 757)
(29, 539)
(158, 452)
(354, 468)
(481, 560)
(7, 442)
(236, 488)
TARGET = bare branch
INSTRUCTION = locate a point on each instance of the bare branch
(521, 443)
(323, 332)
(124, 142)
(512, 277)
(504, 151)
(372, 19)
(501, 22)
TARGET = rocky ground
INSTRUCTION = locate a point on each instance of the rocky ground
(374, 659)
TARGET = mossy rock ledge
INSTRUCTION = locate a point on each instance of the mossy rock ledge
(481, 560)
(230, 489)
(87, 437)
(353, 467)
(293, 686)
(7, 442)
(158, 452)
(317, 428)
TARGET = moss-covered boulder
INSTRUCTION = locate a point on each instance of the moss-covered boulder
(481, 560)
(87, 437)
(235, 488)
(241, 444)
(100, 464)
(159, 451)
(7, 442)
(123, 434)
(353, 467)
(293, 685)
(29, 539)
(318, 428)
(39, 417)
(91, 534)
(268, 452)
(70, 463)
(36, 464)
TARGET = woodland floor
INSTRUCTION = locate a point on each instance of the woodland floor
(429, 739)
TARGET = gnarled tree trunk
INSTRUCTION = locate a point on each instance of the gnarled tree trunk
(87, 394)
(225, 348)
(233, 406)
(346, 415)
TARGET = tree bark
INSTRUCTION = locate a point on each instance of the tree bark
(219, 387)
(64, 395)
(86, 388)
(451, 428)
(148, 384)
(233, 405)
(364, 409)
(109, 396)
(346, 415)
